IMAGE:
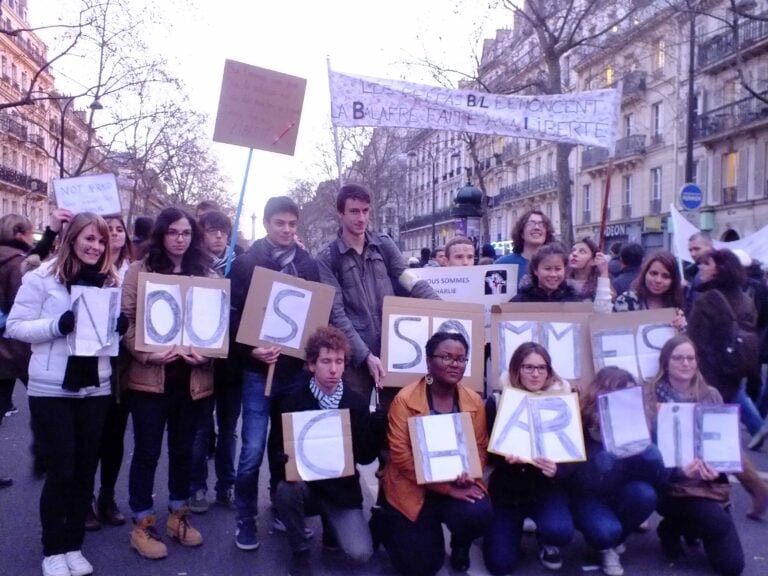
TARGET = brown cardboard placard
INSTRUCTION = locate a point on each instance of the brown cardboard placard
(314, 435)
(177, 292)
(259, 108)
(449, 436)
(552, 324)
(631, 340)
(310, 308)
(407, 324)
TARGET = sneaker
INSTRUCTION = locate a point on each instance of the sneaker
(179, 528)
(757, 440)
(11, 411)
(550, 557)
(78, 565)
(278, 526)
(146, 541)
(611, 562)
(246, 537)
(226, 498)
(56, 565)
(529, 526)
(198, 503)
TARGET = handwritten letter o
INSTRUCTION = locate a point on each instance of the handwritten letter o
(152, 299)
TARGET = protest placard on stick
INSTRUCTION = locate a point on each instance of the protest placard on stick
(97, 193)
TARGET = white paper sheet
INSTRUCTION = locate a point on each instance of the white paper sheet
(675, 433)
(321, 454)
(96, 311)
(512, 437)
(286, 315)
(623, 424)
(408, 334)
(163, 314)
(556, 427)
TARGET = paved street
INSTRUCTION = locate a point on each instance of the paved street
(108, 550)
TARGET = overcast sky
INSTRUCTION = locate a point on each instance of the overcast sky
(295, 37)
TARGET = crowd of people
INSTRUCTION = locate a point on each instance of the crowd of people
(80, 406)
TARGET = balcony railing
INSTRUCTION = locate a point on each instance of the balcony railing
(730, 195)
(427, 219)
(17, 178)
(750, 31)
(737, 114)
(657, 139)
(626, 147)
(536, 184)
(632, 83)
(38, 140)
(655, 206)
(13, 127)
(626, 211)
(26, 45)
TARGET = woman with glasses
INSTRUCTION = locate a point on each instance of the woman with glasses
(696, 503)
(414, 514)
(611, 496)
(521, 489)
(69, 395)
(166, 390)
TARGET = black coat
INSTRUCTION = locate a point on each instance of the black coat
(368, 431)
(240, 277)
(533, 293)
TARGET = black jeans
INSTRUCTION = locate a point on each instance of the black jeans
(151, 413)
(417, 548)
(68, 437)
(710, 521)
(6, 395)
(112, 447)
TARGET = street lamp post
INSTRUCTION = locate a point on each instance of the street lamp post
(95, 105)
(691, 117)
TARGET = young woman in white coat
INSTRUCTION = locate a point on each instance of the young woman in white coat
(68, 395)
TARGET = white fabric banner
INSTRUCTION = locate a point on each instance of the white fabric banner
(589, 118)
(756, 244)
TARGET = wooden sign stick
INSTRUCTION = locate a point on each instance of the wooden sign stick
(270, 377)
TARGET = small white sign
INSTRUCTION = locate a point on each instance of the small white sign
(97, 194)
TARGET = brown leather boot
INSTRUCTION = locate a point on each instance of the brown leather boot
(146, 540)
(179, 528)
(91, 520)
(756, 487)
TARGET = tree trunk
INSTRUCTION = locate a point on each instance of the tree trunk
(564, 195)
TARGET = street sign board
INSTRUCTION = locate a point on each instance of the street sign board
(691, 196)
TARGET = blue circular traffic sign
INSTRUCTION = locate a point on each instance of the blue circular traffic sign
(691, 196)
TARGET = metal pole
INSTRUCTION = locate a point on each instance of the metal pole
(691, 118)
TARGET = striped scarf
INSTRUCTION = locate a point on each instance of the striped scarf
(326, 402)
(283, 257)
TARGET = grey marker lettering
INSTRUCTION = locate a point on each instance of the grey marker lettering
(152, 299)
(555, 425)
(301, 453)
(460, 451)
(678, 436)
(417, 349)
(293, 328)
(599, 339)
(647, 337)
(551, 333)
(194, 337)
(454, 327)
(513, 422)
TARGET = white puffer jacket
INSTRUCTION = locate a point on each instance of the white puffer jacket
(34, 318)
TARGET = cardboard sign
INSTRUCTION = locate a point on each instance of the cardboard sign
(97, 194)
(538, 425)
(283, 310)
(562, 328)
(259, 108)
(444, 447)
(711, 433)
(407, 325)
(187, 311)
(96, 311)
(318, 444)
(631, 340)
(493, 284)
(623, 424)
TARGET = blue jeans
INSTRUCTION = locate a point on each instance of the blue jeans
(554, 527)
(254, 434)
(750, 416)
(606, 520)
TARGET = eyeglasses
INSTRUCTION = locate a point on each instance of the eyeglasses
(452, 360)
(531, 368)
(681, 359)
(186, 234)
(214, 231)
(534, 224)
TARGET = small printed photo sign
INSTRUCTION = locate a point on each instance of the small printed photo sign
(444, 447)
(318, 444)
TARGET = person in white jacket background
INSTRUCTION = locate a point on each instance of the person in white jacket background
(69, 396)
